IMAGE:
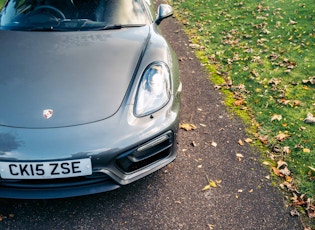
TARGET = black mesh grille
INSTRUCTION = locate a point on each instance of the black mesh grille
(136, 159)
(56, 183)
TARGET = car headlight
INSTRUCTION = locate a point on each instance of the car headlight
(154, 90)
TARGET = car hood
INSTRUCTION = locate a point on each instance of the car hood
(81, 77)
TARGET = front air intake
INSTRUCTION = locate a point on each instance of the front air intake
(152, 151)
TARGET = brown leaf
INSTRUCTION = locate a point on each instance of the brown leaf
(277, 172)
(288, 179)
(311, 214)
(239, 102)
(281, 136)
(263, 139)
(240, 142)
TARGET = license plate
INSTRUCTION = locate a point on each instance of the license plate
(46, 170)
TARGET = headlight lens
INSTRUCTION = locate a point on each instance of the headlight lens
(154, 90)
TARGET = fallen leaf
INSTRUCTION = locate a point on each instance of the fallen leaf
(286, 150)
(309, 119)
(281, 164)
(287, 185)
(285, 171)
(211, 226)
(263, 139)
(276, 117)
(288, 179)
(187, 127)
(305, 150)
(311, 214)
(294, 213)
(240, 142)
(248, 140)
(194, 46)
(207, 187)
(311, 80)
(313, 169)
(302, 128)
(281, 136)
(277, 172)
(211, 184)
(239, 156)
(239, 102)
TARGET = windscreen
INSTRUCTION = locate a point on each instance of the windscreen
(70, 15)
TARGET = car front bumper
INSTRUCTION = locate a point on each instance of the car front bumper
(121, 151)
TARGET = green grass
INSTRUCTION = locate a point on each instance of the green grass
(267, 49)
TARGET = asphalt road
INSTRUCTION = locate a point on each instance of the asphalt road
(172, 198)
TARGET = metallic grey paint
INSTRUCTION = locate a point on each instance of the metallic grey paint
(90, 80)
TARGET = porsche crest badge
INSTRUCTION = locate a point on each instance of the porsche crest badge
(47, 113)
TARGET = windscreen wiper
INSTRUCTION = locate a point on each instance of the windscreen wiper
(118, 26)
(51, 28)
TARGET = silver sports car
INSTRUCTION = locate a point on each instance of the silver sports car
(89, 96)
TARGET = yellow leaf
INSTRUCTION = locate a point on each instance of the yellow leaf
(188, 127)
(248, 140)
(305, 150)
(207, 187)
(212, 184)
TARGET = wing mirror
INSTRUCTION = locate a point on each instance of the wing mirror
(164, 11)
